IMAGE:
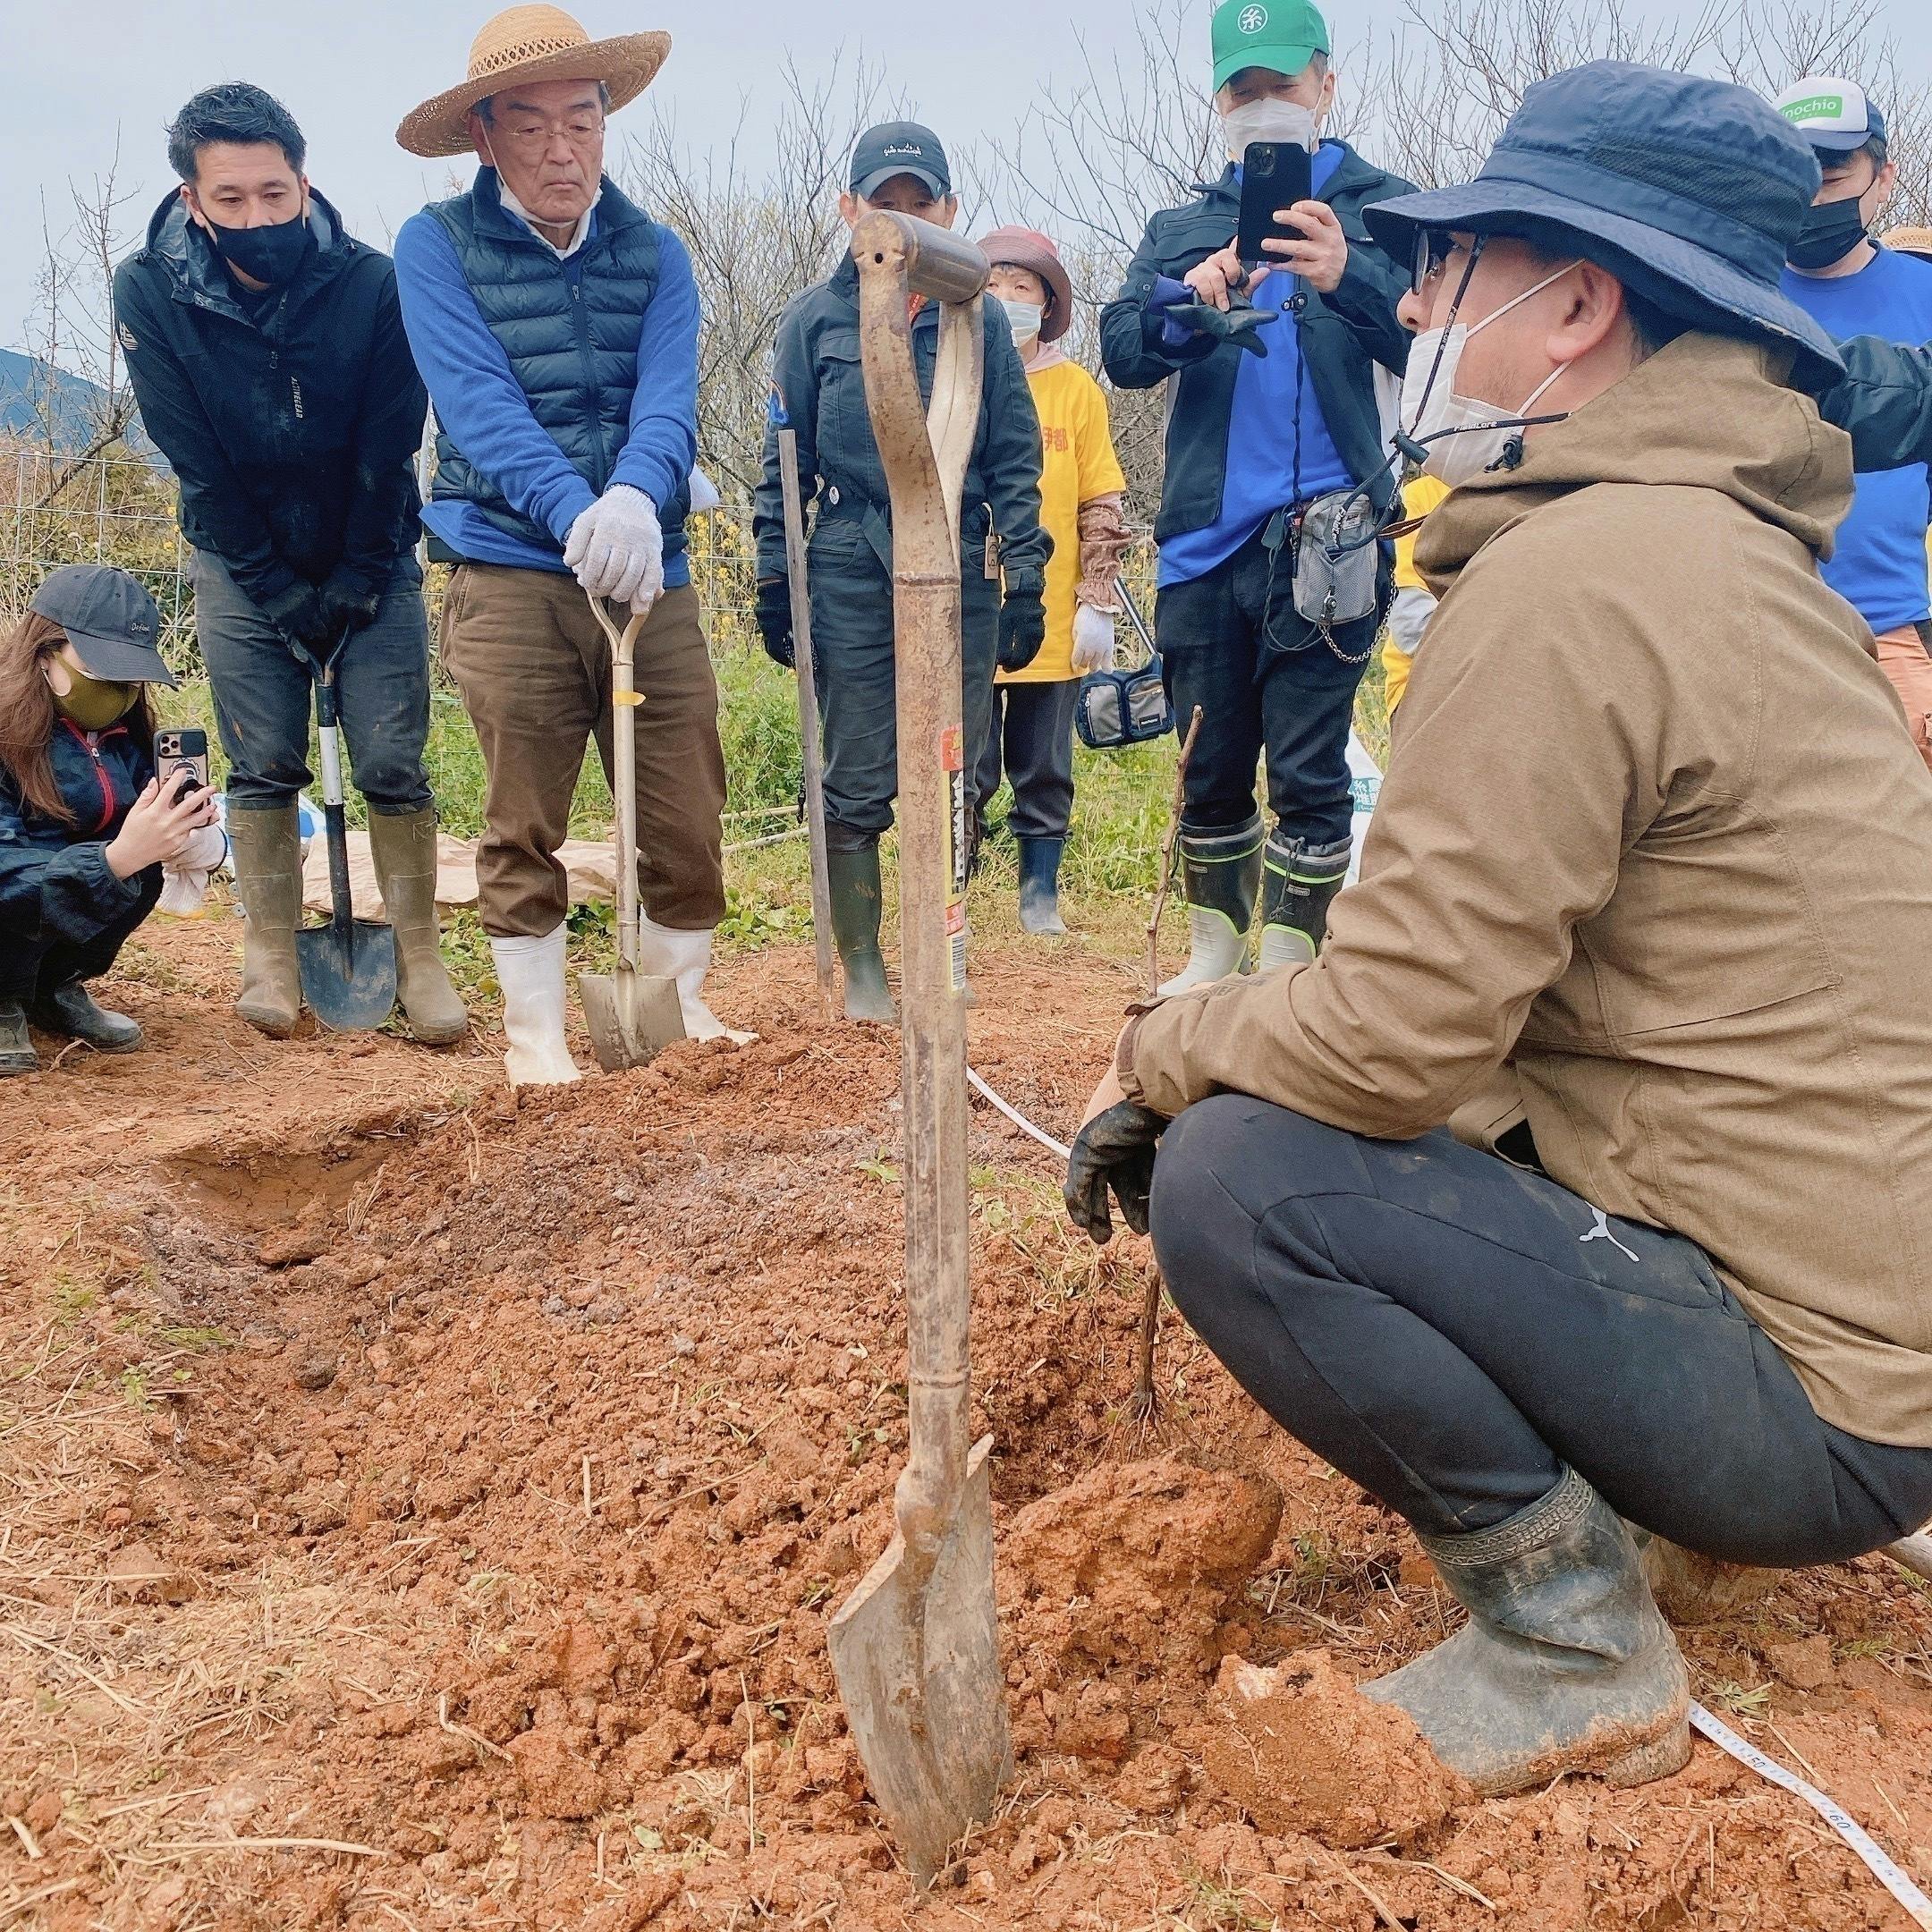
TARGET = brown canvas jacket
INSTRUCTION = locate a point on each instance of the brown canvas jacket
(1655, 840)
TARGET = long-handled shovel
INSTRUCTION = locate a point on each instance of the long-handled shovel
(633, 1017)
(348, 968)
(916, 1645)
(807, 705)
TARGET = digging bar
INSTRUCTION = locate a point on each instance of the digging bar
(809, 744)
(916, 1645)
(631, 1017)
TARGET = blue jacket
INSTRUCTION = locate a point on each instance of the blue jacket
(1344, 336)
(552, 378)
(55, 881)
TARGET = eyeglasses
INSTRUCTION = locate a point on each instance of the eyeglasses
(1433, 249)
(582, 131)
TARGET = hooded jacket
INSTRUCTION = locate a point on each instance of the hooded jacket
(294, 430)
(1654, 837)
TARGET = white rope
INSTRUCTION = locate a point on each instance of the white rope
(1840, 1821)
(1019, 1119)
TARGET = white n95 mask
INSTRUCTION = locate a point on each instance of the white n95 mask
(1271, 119)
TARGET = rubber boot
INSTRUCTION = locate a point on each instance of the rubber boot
(1565, 1664)
(1299, 881)
(1692, 1589)
(1039, 886)
(1222, 873)
(853, 880)
(530, 972)
(266, 849)
(17, 1055)
(71, 1009)
(403, 847)
(667, 953)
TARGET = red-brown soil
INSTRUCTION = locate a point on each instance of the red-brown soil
(422, 1509)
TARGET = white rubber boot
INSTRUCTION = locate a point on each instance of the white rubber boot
(530, 972)
(1222, 872)
(664, 952)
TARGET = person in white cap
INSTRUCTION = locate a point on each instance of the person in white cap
(556, 325)
(1852, 286)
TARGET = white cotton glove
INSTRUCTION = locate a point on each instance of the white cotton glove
(616, 548)
(184, 878)
(1093, 640)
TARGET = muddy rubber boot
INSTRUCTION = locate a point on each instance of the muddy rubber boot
(1221, 872)
(1299, 881)
(1565, 1664)
(1690, 1588)
(17, 1055)
(71, 1009)
(266, 849)
(403, 847)
(1039, 886)
(530, 972)
(853, 880)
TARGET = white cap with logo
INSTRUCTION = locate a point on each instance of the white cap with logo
(1831, 113)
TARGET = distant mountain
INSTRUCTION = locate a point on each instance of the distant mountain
(30, 390)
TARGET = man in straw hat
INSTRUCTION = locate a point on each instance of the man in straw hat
(556, 327)
(1643, 909)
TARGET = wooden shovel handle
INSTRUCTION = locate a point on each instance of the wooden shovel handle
(625, 699)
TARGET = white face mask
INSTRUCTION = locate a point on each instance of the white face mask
(1267, 119)
(1025, 317)
(1480, 434)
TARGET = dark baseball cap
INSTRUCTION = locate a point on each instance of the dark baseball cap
(110, 621)
(899, 147)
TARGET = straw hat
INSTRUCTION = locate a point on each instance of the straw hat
(526, 44)
(1908, 241)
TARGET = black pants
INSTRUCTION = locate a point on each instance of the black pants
(1031, 737)
(1268, 685)
(33, 967)
(1450, 1330)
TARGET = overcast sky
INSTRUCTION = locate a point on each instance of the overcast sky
(83, 71)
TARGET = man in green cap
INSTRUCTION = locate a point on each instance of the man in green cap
(1255, 442)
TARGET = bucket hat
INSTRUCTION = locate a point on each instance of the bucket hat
(110, 620)
(1028, 248)
(529, 44)
(1687, 190)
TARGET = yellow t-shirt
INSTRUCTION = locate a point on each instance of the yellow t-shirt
(1077, 464)
(1420, 496)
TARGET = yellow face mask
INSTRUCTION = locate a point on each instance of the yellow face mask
(94, 703)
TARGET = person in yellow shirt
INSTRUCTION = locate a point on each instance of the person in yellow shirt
(1411, 604)
(1031, 738)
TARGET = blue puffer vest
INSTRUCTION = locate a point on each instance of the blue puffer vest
(571, 331)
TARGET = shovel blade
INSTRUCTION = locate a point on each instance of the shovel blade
(630, 1026)
(348, 974)
(919, 1675)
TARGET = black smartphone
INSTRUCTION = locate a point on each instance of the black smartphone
(181, 752)
(1275, 174)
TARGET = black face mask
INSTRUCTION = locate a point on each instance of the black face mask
(267, 255)
(1829, 232)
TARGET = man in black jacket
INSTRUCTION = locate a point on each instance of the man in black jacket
(267, 352)
(1274, 409)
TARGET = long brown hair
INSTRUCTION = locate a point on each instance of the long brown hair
(29, 719)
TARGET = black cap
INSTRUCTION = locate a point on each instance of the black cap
(899, 147)
(110, 621)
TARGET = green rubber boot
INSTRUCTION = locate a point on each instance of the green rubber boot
(853, 880)
(403, 847)
(266, 848)
(1222, 872)
(1299, 881)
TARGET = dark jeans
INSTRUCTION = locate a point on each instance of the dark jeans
(265, 697)
(852, 605)
(1031, 735)
(33, 968)
(1450, 1330)
(1268, 684)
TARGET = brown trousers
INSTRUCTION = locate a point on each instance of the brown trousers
(534, 667)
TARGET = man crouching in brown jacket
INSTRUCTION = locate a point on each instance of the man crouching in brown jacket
(1654, 853)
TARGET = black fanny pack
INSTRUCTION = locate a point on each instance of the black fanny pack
(1117, 708)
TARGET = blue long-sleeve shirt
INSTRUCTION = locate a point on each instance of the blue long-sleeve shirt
(482, 407)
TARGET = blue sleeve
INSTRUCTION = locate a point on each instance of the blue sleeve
(663, 444)
(477, 399)
(69, 893)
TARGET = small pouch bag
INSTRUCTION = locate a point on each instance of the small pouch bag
(1117, 708)
(1337, 561)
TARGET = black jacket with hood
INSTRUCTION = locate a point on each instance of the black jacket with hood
(292, 428)
(1345, 335)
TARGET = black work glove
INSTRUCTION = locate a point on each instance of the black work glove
(1115, 1150)
(773, 614)
(1022, 618)
(1239, 323)
(348, 606)
(298, 612)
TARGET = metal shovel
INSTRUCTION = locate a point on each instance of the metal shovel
(348, 968)
(633, 1017)
(916, 1645)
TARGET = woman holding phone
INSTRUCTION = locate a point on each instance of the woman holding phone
(85, 824)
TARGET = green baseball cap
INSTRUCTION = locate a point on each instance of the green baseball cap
(1281, 34)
